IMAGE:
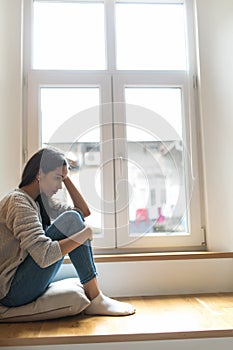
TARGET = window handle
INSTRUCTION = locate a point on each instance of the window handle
(121, 165)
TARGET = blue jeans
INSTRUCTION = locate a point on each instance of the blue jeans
(31, 281)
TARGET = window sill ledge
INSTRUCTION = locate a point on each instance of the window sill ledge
(130, 257)
(196, 316)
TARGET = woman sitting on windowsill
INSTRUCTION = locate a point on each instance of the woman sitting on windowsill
(32, 249)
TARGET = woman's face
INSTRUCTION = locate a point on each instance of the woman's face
(51, 182)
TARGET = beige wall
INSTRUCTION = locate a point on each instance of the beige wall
(10, 94)
(215, 22)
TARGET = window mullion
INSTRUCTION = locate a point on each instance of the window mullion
(110, 35)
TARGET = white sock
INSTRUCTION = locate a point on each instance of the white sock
(105, 306)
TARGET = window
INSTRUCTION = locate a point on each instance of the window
(110, 83)
(69, 35)
(150, 36)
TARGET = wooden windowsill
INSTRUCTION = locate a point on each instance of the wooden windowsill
(156, 318)
(129, 257)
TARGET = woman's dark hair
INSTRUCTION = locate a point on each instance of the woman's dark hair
(46, 159)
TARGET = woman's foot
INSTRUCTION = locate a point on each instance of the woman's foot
(105, 306)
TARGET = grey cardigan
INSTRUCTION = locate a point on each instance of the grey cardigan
(21, 233)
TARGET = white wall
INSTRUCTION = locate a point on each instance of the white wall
(215, 22)
(10, 94)
(161, 277)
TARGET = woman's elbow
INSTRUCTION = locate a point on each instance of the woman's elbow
(86, 213)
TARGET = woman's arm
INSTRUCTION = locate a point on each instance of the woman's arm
(70, 243)
(76, 197)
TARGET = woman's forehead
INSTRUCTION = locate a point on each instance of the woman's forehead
(61, 170)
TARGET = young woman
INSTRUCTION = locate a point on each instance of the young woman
(32, 249)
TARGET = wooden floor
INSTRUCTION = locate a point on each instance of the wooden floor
(166, 317)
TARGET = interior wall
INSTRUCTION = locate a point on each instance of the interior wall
(215, 28)
(141, 278)
(10, 94)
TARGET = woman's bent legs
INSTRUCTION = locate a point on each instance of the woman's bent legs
(82, 259)
(30, 280)
(66, 225)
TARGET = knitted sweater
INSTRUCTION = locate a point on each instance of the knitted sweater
(21, 233)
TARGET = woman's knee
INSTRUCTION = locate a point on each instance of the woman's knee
(69, 222)
(73, 215)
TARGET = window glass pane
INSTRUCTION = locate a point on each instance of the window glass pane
(150, 36)
(69, 35)
(69, 121)
(157, 188)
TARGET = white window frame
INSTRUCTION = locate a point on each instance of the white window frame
(60, 79)
(112, 84)
(151, 79)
